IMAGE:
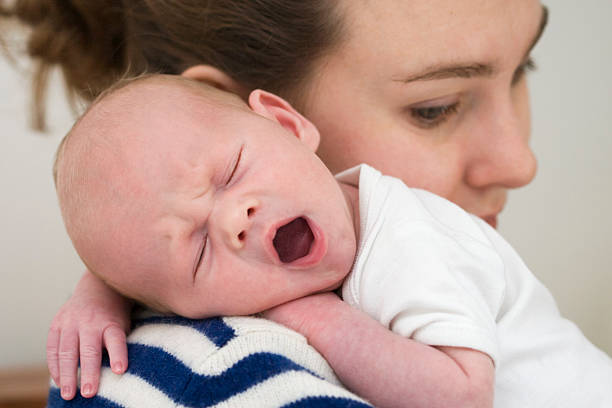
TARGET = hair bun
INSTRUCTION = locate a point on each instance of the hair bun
(82, 37)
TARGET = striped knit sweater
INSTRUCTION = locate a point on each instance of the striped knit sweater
(217, 362)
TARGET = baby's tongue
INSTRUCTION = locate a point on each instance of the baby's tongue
(293, 240)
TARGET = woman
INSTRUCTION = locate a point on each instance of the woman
(431, 92)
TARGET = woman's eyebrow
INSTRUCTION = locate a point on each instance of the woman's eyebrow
(471, 70)
(451, 71)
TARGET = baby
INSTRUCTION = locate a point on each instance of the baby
(187, 199)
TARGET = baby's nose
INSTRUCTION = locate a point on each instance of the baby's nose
(238, 221)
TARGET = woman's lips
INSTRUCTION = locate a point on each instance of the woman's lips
(318, 246)
(489, 209)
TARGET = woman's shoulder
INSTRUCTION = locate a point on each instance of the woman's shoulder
(237, 361)
(211, 346)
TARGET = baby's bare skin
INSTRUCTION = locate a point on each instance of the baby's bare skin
(241, 205)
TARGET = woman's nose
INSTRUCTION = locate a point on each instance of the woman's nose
(500, 153)
(234, 220)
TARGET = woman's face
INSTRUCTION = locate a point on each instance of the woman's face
(433, 92)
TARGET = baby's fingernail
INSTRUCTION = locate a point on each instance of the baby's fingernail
(117, 368)
(66, 392)
(87, 390)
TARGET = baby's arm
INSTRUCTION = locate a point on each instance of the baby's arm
(95, 316)
(383, 367)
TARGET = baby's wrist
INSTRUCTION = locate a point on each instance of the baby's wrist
(310, 316)
(325, 318)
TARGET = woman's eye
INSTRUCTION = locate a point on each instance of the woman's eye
(524, 68)
(431, 116)
(235, 166)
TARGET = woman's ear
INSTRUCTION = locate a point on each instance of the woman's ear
(277, 109)
(215, 77)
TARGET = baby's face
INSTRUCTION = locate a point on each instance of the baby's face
(234, 214)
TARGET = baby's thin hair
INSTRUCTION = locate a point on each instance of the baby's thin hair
(115, 87)
(125, 81)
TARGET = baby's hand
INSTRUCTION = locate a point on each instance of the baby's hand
(95, 316)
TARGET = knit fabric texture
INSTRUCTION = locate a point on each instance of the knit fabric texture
(215, 362)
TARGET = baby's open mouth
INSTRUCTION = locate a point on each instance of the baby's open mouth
(293, 240)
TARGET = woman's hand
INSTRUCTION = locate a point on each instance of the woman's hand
(95, 316)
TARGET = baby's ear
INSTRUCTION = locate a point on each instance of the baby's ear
(277, 109)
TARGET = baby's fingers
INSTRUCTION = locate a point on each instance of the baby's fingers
(53, 340)
(68, 362)
(116, 345)
(91, 355)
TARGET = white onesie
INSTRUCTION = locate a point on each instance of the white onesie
(429, 271)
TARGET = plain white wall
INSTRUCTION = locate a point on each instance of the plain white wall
(38, 265)
(561, 224)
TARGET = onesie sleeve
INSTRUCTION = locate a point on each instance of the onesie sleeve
(436, 282)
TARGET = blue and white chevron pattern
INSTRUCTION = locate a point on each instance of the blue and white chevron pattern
(217, 362)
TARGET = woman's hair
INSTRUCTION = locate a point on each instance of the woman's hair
(269, 44)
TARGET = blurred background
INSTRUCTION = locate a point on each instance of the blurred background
(561, 224)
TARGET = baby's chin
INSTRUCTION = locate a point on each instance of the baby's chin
(332, 288)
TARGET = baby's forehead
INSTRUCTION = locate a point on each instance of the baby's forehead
(153, 130)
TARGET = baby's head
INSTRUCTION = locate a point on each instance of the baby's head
(187, 199)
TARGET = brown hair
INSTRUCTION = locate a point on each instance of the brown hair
(269, 44)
